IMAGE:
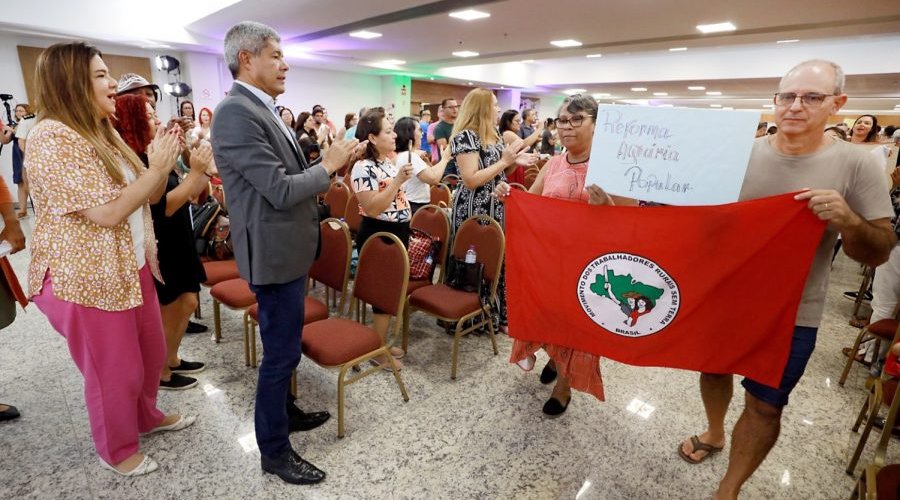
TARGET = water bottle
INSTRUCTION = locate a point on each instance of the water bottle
(470, 255)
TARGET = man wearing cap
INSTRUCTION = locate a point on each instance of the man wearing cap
(133, 83)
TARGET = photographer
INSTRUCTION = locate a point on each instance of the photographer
(17, 134)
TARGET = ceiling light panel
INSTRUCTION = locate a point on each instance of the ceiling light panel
(465, 53)
(469, 14)
(365, 35)
(716, 27)
(566, 43)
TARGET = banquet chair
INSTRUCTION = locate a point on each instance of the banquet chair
(331, 268)
(343, 344)
(457, 306)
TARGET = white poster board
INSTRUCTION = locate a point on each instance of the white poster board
(673, 156)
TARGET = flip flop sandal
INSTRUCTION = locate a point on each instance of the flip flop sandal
(698, 445)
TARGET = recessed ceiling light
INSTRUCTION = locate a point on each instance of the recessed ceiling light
(768, 105)
(788, 41)
(715, 105)
(696, 87)
(526, 61)
(728, 108)
(469, 14)
(502, 87)
(713, 92)
(660, 94)
(598, 95)
(638, 89)
(393, 62)
(677, 49)
(465, 53)
(431, 78)
(366, 35)
(593, 56)
(470, 83)
(566, 43)
(716, 27)
(574, 91)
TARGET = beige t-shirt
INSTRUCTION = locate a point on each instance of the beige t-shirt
(853, 173)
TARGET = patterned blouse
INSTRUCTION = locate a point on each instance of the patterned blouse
(368, 175)
(90, 265)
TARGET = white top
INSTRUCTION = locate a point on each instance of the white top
(23, 128)
(416, 190)
(195, 133)
(136, 223)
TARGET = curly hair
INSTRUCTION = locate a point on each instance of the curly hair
(131, 121)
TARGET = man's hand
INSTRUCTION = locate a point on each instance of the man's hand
(339, 153)
(830, 206)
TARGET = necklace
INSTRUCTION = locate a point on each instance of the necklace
(576, 162)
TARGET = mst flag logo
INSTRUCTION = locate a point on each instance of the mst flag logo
(628, 295)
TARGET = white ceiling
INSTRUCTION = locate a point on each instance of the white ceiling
(633, 36)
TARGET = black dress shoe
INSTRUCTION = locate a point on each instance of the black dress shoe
(291, 468)
(548, 374)
(9, 413)
(554, 408)
(196, 328)
(306, 421)
(879, 423)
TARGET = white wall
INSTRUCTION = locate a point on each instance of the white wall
(338, 91)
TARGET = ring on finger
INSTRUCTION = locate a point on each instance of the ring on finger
(826, 205)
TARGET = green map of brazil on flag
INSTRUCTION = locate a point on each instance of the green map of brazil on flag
(713, 289)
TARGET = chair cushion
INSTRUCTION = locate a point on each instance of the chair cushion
(890, 389)
(445, 301)
(313, 310)
(416, 284)
(884, 328)
(335, 341)
(218, 271)
(234, 293)
(888, 481)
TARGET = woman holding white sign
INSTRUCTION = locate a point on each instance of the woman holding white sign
(563, 177)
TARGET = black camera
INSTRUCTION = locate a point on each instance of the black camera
(5, 97)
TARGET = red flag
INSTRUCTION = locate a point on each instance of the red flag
(712, 289)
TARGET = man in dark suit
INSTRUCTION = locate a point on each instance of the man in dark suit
(274, 226)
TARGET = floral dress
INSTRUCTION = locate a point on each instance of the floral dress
(480, 201)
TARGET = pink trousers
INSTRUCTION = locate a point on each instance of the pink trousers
(120, 355)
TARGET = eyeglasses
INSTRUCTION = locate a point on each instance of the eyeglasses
(451, 107)
(575, 121)
(809, 99)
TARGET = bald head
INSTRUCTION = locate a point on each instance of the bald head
(818, 69)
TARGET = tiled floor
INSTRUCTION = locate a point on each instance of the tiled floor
(481, 436)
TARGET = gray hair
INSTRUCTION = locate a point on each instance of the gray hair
(580, 102)
(249, 36)
(839, 79)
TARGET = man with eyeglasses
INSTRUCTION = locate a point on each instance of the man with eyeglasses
(845, 188)
(444, 129)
